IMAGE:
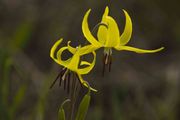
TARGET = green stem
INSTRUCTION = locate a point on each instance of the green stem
(74, 94)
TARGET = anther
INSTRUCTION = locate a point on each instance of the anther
(64, 84)
(60, 78)
(64, 76)
(110, 62)
(104, 65)
(60, 73)
(106, 59)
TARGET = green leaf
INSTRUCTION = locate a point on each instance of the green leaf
(61, 113)
(83, 107)
(22, 35)
(18, 98)
(5, 80)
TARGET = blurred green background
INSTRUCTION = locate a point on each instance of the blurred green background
(139, 87)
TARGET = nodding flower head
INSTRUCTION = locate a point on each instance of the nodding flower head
(108, 36)
(73, 65)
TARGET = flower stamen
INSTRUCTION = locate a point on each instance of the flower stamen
(58, 76)
(65, 76)
(107, 59)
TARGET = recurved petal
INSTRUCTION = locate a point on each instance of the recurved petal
(85, 63)
(102, 31)
(106, 12)
(126, 35)
(88, 68)
(56, 59)
(59, 57)
(88, 49)
(84, 83)
(70, 48)
(73, 64)
(112, 33)
(86, 31)
(54, 47)
(137, 50)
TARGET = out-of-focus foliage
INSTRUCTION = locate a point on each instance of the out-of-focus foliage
(142, 87)
(61, 113)
(83, 106)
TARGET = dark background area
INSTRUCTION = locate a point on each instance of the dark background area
(139, 87)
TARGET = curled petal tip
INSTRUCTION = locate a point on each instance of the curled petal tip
(84, 83)
(126, 14)
(124, 11)
(70, 48)
(69, 42)
(89, 11)
(137, 50)
(161, 48)
(54, 47)
(106, 12)
(107, 8)
(157, 50)
(126, 35)
(59, 41)
(86, 31)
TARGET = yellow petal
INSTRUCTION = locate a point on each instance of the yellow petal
(108, 36)
(137, 50)
(86, 31)
(112, 33)
(126, 35)
(102, 31)
(85, 63)
(54, 47)
(102, 34)
(82, 50)
(70, 48)
(106, 12)
(87, 49)
(59, 60)
(84, 83)
(73, 65)
(88, 68)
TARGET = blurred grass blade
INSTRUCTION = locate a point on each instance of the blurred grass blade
(83, 107)
(5, 65)
(5, 82)
(61, 113)
(22, 35)
(18, 99)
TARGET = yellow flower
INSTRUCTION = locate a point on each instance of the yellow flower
(72, 64)
(108, 36)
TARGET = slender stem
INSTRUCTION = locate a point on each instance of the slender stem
(73, 95)
(68, 86)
